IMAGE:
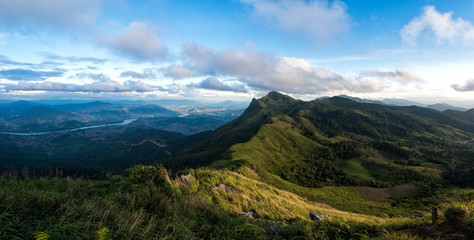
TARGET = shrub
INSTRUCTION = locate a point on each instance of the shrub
(455, 216)
(155, 177)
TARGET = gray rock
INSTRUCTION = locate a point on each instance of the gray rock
(249, 214)
(222, 187)
(317, 216)
(186, 178)
(254, 168)
(274, 228)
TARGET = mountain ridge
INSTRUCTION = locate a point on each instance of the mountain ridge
(346, 131)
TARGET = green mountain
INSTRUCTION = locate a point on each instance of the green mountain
(444, 107)
(107, 112)
(185, 125)
(111, 148)
(337, 141)
(23, 116)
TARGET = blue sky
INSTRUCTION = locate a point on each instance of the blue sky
(422, 50)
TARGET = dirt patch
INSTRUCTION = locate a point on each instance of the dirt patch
(374, 194)
(283, 124)
(380, 194)
(404, 190)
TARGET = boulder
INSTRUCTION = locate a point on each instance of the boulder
(274, 228)
(317, 216)
(249, 214)
(222, 187)
(186, 178)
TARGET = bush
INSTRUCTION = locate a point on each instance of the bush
(455, 216)
(155, 177)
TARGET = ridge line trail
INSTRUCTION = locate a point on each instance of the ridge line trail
(144, 141)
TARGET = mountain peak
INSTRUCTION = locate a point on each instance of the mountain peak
(276, 96)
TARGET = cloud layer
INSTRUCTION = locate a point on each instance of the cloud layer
(138, 41)
(316, 18)
(146, 74)
(98, 86)
(442, 25)
(176, 72)
(466, 86)
(265, 71)
(214, 84)
(402, 76)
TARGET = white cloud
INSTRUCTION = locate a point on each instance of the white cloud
(442, 25)
(97, 86)
(177, 72)
(214, 84)
(264, 71)
(138, 41)
(197, 54)
(466, 86)
(146, 74)
(316, 18)
(402, 76)
(92, 76)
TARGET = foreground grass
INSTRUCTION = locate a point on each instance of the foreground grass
(145, 203)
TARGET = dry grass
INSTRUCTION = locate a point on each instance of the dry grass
(267, 201)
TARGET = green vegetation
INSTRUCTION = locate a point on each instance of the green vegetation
(202, 204)
(354, 167)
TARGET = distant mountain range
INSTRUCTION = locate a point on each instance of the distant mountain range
(148, 139)
(401, 102)
(444, 107)
(24, 116)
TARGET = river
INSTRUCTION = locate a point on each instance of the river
(125, 122)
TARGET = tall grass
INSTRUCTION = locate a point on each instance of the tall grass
(189, 207)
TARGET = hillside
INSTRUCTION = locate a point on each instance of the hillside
(111, 148)
(27, 116)
(145, 203)
(337, 141)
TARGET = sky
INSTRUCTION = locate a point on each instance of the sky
(420, 50)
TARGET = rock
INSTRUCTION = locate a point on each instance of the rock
(317, 216)
(249, 214)
(186, 178)
(274, 228)
(222, 187)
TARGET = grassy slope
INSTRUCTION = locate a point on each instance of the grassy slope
(280, 155)
(354, 167)
(79, 209)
